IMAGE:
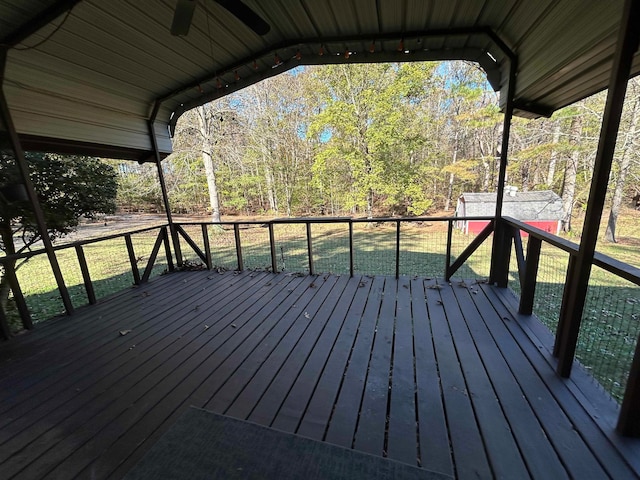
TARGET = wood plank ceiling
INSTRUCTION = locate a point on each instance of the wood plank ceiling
(90, 80)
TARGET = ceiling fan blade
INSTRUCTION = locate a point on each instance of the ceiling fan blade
(182, 17)
(247, 16)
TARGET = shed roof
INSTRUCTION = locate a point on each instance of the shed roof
(91, 78)
(535, 205)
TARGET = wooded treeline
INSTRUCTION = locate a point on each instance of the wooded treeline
(381, 139)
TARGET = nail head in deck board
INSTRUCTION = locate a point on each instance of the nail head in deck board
(469, 454)
(342, 424)
(435, 453)
(317, 386)
(263, 407)
(403, 434)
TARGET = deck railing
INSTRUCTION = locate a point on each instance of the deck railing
(92, 269)
(426, 246)
(609, 329)
(382, 246)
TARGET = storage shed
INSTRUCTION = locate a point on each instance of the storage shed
(541, 209)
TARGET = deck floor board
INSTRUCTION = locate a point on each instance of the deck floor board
(441, 375)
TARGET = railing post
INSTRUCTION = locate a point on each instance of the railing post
(629, 419)
(310, 248)
(500, 265)
(236, 233)
(562, 319)
(133, 260)
(207, 246)
(397, 248)
(5, 331)
(447, 266)
(528, 285)
(351, 269)
(18, 297)
(86, 276)
(272, 244)
(167, 249)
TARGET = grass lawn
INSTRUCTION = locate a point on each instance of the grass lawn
(610, 321)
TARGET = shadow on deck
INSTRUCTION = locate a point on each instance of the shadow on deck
(446, 377)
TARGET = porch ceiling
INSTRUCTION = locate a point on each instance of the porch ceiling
(89, 81)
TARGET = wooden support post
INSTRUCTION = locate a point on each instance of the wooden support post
(167, 248)
(5, 331)
(207, 246)
(499, 273)
(236, 233)
(10, 140)
(397, 248)
(447, 266)
(18, 297)
(272, 245)
(517, 247)
(564, 305)
(310, 249)
(163, 186)
(627, 45)
(86, 276)
(629, 418)
(351, 267)
(528, 283)
(132, 259)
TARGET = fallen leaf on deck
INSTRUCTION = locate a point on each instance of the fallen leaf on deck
(124, 332)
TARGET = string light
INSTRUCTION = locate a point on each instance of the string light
(298, 55)
(401, 45)
(255, 65)
(372, 47)
(218, 83)
(235, 75)
(347, 53)
(276, 59)
(321, 51)
(200, 89)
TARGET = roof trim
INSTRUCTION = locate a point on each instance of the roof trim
(493, 69)
(36, 143)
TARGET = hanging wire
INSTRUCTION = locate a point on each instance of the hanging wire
(48, 37)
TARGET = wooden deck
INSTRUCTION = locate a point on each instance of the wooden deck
(442, 376)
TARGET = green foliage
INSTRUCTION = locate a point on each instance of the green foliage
(68, 187)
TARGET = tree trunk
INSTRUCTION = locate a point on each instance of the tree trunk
(568, 194)
(625, 161)
(447, 202)
(551, 173)
(206, 132)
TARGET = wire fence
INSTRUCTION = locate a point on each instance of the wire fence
(609, 330)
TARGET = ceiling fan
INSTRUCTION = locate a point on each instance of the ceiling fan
(183, 16)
